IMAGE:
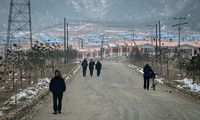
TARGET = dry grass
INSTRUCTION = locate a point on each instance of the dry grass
(7, 84)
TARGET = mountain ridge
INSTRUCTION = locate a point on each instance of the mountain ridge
(49, 12)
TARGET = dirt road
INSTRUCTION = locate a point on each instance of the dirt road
(118, 95)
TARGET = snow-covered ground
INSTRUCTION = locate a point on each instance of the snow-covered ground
(67, 78)
(138, 68)
(25, 94)
(29, 92)
(160, 80)
(76, 69)
(188, 83)
(185, 83)
(1, 113)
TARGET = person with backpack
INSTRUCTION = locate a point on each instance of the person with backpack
(57, 87)
(148, 73)
(84, 65)
(98, 68)
(91, 67)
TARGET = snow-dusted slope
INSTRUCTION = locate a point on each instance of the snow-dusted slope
(91, 8)
(48, 12)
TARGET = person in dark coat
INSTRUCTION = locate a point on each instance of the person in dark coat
(84, 65)
(148, 72)
(98, 68)
(91, 67)
(57, 87)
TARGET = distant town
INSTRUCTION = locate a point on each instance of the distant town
(88, 40)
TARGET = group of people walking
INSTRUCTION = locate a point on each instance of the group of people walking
(92, 65)
(57, 84)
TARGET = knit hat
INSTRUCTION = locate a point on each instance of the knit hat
(58, 72)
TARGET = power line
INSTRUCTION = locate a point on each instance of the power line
(160, 49)
(180, 23)
(65, 40)
(102, 49)
(156, 48)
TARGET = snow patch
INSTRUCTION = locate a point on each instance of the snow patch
(29, 92)
(132, 66)
(1, 113)
(4, 108)
(76, 69)
(188, 83)
(76, 62)
(160, 80)
(2, 88)
(179, 86)
(138, 68)
(67, 78)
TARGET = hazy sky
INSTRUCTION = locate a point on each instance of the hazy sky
(50, 12)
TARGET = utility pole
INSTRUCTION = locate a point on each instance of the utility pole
(82, 43)
(65, 60)
(133, 35)
(102, 37)
(67, 42)
(160, 48)
(156, 45)
(133, 40)
(30, 24)
(132, 44)
(156, 48)
(79, 43)
(167, 61)
(179, 41)
(19, 23)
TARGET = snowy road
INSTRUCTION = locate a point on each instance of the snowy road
(118, 95)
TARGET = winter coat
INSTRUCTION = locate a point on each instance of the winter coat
(148, 72)
(91, 65)
(57, 85)
(84, 64)
(98, 66)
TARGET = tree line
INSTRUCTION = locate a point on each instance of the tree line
(36, 62)
(168, 63)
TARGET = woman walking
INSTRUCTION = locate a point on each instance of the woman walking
(148, 72)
